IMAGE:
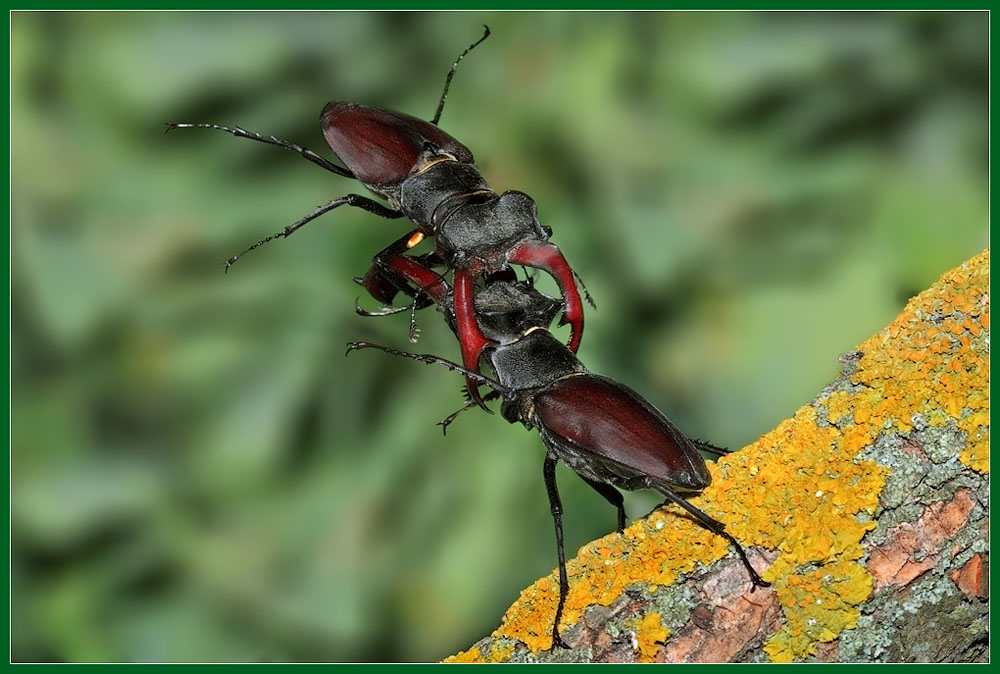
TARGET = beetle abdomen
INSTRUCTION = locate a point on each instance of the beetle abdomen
(381, 147)
(620, 429)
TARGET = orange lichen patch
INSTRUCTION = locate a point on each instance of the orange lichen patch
(818, 606)
(649, 635)
(805, 496)
(654, 550)
(952, 316)
(802, 489)
(805, 500)
(471, 655)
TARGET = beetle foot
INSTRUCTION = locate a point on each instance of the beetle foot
(557, 641)
(354, 346)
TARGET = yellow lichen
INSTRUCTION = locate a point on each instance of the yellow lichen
(501, 651)
(653, 550)
(471, 655)
(818, 604)
(649, 635)
(952, 318)
(802, 490)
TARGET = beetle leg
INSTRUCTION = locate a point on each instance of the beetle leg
(383, 282)
(709, 448)
(271, 140)
(549, 471)
(470, 375)
(469, 335)
(384, 311)
(544, 255)
(355, 200)
(716, 527)
(614, 497)
(444, 423)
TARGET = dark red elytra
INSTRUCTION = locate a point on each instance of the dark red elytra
(610, 421)
(382, 147)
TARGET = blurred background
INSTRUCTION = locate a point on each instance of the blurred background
(200, 474)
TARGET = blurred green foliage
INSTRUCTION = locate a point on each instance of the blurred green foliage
(199, 474)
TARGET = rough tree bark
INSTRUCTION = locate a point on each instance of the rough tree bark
(868, 511)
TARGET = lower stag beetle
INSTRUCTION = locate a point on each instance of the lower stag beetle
(429, 177)
(606, 432)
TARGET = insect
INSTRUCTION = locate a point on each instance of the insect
(429, 177)
(606, 432)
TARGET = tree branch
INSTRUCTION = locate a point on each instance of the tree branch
(867, 510)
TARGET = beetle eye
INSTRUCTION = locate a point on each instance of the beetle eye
(508, 411)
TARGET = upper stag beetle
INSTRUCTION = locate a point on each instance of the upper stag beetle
(429, 177)
(606, 432)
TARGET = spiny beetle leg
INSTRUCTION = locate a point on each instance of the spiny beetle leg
(444, 423)
(384, 311)
(614, 497)
(469, 335)
(429, 284)
(709, 448)
(432, 359)
(549, 471)
(546, 256)
(271, 140)
(355, 200)
(716, 527)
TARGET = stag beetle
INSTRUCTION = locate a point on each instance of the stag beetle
(429, 177)
(606, 432)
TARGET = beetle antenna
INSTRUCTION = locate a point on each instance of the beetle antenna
(430, 359)
(586, 293)
(451, 74)
(270, 140)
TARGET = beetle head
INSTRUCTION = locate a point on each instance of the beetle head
(507, 310)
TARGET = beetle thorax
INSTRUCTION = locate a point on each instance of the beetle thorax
(438, 188)
(488, 229)
(534, 361)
